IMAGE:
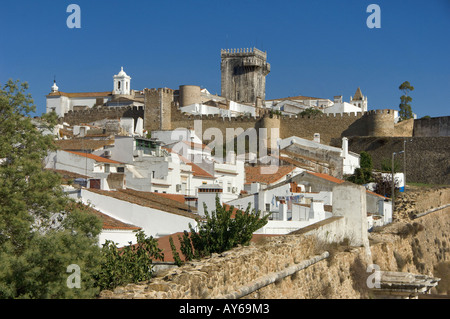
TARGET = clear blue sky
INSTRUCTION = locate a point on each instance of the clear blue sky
(316, 48)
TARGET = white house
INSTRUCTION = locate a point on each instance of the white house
(349, 161)
(307, 101)
(155, 217)
(234, 109)
(104, 173)
(63, 102)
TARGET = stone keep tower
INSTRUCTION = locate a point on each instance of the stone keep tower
(244, 75)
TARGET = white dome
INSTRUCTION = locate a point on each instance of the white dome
(122, 72)
(54, 87)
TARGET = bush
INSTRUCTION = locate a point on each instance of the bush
(131, 264)
(220, 232)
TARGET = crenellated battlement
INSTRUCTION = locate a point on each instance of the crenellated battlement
(243, 52)
(105, 112)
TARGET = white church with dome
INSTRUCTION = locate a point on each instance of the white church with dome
(121, 95)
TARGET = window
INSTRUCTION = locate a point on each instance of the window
(107, 168)
(120, 169)
(118, 85)
(267, 207)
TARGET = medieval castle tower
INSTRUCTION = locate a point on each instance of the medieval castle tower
(244, 74)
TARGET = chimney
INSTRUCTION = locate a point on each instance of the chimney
(344, 147)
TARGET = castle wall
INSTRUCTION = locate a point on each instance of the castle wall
(189, 94)
(427, 158)
(158, 109)
(97, 114)
(329, 126)
(435, 126)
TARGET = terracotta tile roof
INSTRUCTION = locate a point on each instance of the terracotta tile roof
(82, 144)
(253, 174)
(340, 181)
(81, 94)
(95, 157)
(327, 177)
(107, 221)
(151, 200)
(67, 174)
(175, 197)
(373, 193)
(112, 223)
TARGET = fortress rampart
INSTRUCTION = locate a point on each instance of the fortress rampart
(97, 114)
(329, 126)
(161, 113)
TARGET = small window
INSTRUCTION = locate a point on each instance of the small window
(120, 169)
(118, 85)
(107, 168)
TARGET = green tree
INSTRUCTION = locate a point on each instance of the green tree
(363, 174)
(220, 232)
(130, 264)
(310, 112)
(405, 111)
(41, 231)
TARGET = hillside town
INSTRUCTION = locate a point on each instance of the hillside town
(217, 158)
(161, 180)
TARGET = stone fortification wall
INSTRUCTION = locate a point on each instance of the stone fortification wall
(98, 114)
(329, 126)
(434, 126)
(427, 159)
(417, 246)
(158, 109)
(226, 273)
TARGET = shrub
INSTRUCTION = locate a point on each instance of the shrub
(130, 264)
(220, 232)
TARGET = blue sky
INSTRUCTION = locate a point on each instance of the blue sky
(316, 48)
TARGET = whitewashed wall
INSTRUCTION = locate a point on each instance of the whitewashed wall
(153, 222)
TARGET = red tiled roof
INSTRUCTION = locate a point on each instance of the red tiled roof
(253, 174)
(112, 223)
(107, 221)
(340, 181)
(151, 200)
(82, 144)
(94, 157)
(327, 177)
(176, 197)
(81, 94)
